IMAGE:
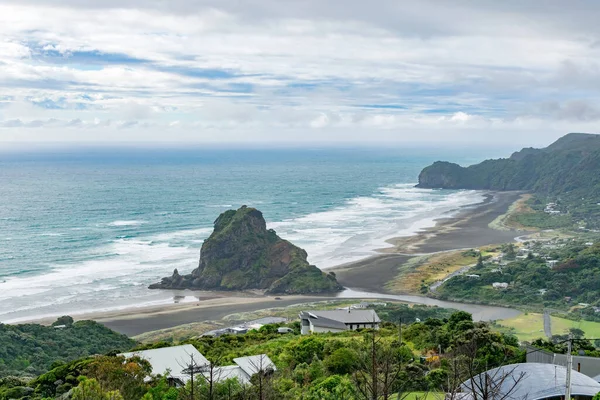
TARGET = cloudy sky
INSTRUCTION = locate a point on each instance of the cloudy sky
(298, 71)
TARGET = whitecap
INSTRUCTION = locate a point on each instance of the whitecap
(126, 223)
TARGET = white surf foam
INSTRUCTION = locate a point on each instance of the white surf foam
(364, 224)
(126, 223)
(116, 275)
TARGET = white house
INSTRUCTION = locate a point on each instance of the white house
(244, 368)
(174, 361)
(499, 285)
(337, 320)
(171, 361)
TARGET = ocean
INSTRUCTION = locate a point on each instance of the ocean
(88, 230)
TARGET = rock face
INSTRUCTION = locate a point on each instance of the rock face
(242, 254)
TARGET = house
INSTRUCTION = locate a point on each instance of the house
(531, 381)
(337, 320)
(586, 365)
(499, 285)
(174, 362)
(171, 361)
(284, 329)
(474, 276)
(244, 368)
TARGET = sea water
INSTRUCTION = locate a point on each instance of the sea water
(88, 230)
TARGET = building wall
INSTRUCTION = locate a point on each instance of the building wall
(318, 329)
(589, 366)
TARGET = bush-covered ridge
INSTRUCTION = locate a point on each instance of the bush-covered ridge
(31, 349)
(568, 169)
(242, 254)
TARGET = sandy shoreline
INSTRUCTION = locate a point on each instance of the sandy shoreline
(469, 228)
(466, 229)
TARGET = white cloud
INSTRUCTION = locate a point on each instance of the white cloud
(268, 68)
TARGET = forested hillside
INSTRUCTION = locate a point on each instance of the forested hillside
(567, 170)
(31, 349)
(558, 275)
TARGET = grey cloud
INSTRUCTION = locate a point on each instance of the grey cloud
(573, 110)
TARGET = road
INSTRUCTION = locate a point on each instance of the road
(547, 324)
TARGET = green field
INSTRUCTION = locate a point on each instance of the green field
(530, 326)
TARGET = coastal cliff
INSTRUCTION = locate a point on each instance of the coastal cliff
(242, 254)
(569, 165)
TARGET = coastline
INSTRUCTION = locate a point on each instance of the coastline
(466, 228)
(469, 228)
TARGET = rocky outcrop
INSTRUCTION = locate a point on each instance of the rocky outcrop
(242, 254)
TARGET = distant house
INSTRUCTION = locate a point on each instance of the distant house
(337, 320)
(473, 276)
(499, 285)
(171, 361)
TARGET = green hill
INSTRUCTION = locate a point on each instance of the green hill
(31, 349)
(568, 170)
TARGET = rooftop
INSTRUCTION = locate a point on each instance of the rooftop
(170, 359)
(345, 316)
(539, 381)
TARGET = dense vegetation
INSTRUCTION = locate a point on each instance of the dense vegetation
(349, 365)
(557, 275)
(241, 253)
(567, 171)
(31, 349)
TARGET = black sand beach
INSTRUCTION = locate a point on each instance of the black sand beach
(468, 228)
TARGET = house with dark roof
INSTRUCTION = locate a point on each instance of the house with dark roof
(337, 320)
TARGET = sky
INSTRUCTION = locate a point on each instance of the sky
(282, 72)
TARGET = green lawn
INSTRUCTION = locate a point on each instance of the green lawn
(527, 327)
(561, 326)
(530, 326)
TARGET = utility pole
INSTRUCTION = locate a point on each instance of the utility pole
(569, 367)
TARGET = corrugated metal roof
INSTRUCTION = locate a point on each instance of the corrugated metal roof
(228, 372)
(173, 359)
(347, 316)
(539, 381)
(253, 364)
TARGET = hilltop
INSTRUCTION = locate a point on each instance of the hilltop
(243, 254)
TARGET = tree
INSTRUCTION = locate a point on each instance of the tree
(378, 370)
(88, 389)
(480, 261)
(342, 361)
(64, 320)
(117, 373)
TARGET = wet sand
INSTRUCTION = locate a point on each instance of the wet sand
(469, 228)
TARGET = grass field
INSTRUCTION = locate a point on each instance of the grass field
(527, 327)
(530, 326)
(427, 270)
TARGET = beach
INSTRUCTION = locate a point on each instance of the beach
(467, 228)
